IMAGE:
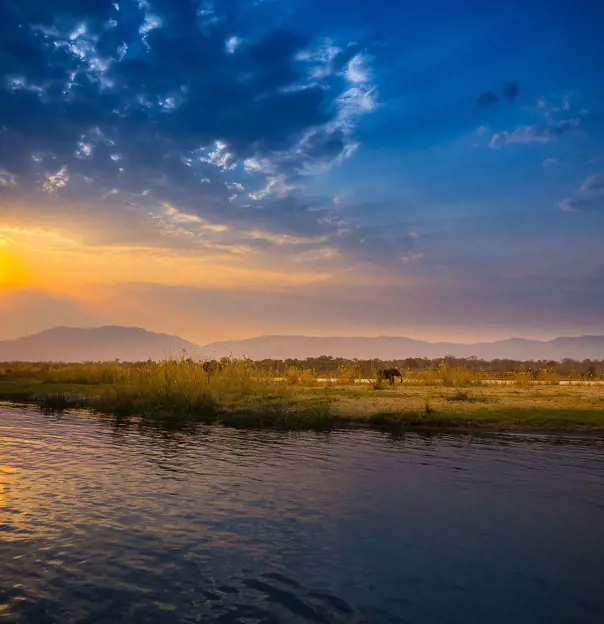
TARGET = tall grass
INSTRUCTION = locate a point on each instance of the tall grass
(348, 374)
(300, 376)
(450, 376)
(182, 387)
(176, 387)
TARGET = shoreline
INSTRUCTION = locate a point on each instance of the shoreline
(307, 418)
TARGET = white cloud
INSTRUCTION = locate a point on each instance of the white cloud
(83, 45)
(283, 239)
(550, 162)
(408, 258)
(588, 196)
(84, 150)
(319, 60)
(568, 205)
(207, 13)
(231, 44)
(357, 100)
(7, 178)
(523, 134)
(276, 186)
(594, 184)
(56, 180)
(357, 70)
(220, 157)
(151, 22)
(534, 134)
(19, 83)
(316, 255)
(254, 165)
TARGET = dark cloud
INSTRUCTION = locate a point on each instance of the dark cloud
(487, 98)
(510, 91)
(150, 102)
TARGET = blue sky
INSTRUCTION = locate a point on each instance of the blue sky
(222, 168)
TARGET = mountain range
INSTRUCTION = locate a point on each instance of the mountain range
(69, 344)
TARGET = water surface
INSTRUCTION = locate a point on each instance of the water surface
(126, 524)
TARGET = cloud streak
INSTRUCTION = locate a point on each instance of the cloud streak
(589, 196)
(534, 134)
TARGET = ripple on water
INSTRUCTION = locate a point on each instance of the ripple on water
(100, 523)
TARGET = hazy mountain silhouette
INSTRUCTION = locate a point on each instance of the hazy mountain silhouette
(65, 344)
(70, 344)
(393, 347)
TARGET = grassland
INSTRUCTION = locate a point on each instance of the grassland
(243, 394)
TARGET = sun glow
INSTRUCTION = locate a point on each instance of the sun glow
(12, 274)
(56, 262)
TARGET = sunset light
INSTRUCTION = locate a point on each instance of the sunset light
(301, 311)
(12, 274)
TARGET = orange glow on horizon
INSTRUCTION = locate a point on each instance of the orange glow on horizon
(12, 272)
(49, 261)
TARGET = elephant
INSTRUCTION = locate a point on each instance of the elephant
(390, 374)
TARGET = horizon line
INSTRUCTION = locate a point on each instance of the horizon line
(306, 336)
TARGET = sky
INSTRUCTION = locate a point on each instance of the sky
(225, 169)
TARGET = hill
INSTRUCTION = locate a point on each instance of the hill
(393, 347)
(67, 344)
(70, 344)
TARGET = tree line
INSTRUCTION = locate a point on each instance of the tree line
(496, 368)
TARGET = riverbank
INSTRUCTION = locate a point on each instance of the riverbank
(500, 408)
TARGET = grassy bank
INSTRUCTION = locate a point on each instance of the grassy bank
(243, 394)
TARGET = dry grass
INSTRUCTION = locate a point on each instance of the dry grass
(242, 393)
(537, 407)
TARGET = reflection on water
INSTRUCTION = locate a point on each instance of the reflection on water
(106, 524)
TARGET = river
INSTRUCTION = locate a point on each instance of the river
(110, 524)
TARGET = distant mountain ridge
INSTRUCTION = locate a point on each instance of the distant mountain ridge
(394, 347)
(69, 344)
(73, 344)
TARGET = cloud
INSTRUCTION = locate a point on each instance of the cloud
(231, 44)
(523, 134)
(56, 180)
(534, 134)
(589, 196)
(565, 125)
(7, 178)
(487, 98)
(148, 102)
(510, 91)
(593, 185)
(550, 162)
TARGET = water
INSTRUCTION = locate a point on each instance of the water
(106, 524)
